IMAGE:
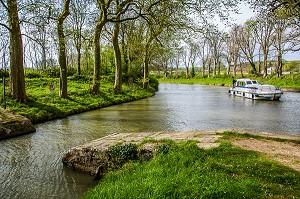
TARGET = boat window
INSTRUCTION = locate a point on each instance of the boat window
(248, 82)
(241, 84)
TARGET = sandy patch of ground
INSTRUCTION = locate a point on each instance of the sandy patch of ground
(285, 152)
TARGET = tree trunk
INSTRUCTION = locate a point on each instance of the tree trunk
(215, 69)
(241, 67)
(208, 69)
(265, 63)
(193, 71)
(78, 61)
(253, 67)
(146, 65)
(228, 67)
(125, 54)
(234, 66)
(279, 59)
(62, 60)
(177, 70)
(17, 78)
(118, 61)
(259, 60)
(44, 58)
(97, 64)
(187, 72)
(280, 65)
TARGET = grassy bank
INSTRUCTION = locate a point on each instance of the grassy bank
(291, 81)
(185, 171)
(44, 105)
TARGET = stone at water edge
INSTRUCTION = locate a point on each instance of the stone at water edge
(12, 124)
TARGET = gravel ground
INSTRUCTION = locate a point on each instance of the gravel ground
(287, 153)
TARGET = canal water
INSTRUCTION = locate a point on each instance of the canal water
(31, 166)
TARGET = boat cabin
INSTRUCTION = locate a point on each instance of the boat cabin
(244, 82)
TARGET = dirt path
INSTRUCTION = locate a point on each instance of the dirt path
(287, 153)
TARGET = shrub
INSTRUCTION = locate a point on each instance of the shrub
(33, 73)
(53, 72)
(120, 154)
(2, 73)
(153, 82)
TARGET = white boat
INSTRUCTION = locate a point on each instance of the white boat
(254, 90)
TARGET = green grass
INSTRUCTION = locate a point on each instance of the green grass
(285, 81)
(219, 81)
(43, 105)
(185, 171)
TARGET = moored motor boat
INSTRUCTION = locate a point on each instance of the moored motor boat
(254, 90)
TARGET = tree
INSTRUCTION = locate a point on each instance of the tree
(273, 5)
(117, 52)
(78, 17)
(63, 86)
(161, 17)
(216, 43)
(282, 23)
(193, 54)
(186, 59)
(204, 50)
(102, 20)
(246, 41)
(110, 11)
(229, 45)
(17, 78)
(263, 29)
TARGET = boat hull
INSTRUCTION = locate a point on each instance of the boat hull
(252, 94)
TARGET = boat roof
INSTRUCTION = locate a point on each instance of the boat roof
(245, 79)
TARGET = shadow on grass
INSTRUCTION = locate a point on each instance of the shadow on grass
(43, 112)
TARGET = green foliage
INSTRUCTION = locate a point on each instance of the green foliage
(220, 81)
(119, 154)
(52, 72)
(284, 81)
(33, 73)
(292, 66)
(6, 73)
(163, 149)
(153, 83)
(185, 171)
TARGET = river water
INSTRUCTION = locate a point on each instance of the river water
(31, 166)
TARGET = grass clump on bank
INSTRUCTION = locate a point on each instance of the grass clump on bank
(43, 104)
(185, 171)
(291, 81)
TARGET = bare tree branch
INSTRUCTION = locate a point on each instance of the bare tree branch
(3, 4)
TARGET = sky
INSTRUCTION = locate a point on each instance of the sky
(246, 13)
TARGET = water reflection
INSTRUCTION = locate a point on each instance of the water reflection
(31, 167)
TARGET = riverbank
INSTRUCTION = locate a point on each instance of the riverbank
(44, 104)
(288, 83)
(79, 157)
(180, 167)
